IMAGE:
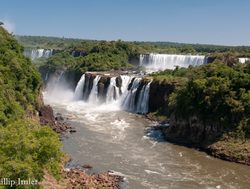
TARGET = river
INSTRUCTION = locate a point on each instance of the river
(110, 139)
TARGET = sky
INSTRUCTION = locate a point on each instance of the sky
(222, 22)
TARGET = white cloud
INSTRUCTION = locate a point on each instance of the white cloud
(9, 25)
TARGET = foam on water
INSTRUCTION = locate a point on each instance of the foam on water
(120, 124)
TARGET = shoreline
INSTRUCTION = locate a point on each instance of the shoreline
(73, 177)
(221, 149)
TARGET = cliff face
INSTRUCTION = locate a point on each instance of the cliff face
(159, 95)
(192, 131)
(103, 87)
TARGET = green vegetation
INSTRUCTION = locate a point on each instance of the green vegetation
(213, 92)
(26, 148)
(19, 79)
(142, 47)
(48, 42)
(98, 56)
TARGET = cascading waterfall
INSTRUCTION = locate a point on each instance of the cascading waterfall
(129, 103)
(125, 82)
(79, 88)
(38, 53)
(142, 104)
(127, 95)
(113, 91)
(158, 62)
(93, 96)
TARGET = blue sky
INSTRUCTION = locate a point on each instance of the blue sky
(224, 22)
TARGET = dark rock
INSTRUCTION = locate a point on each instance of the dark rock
(134, 60)
(192, 131)
(72, 130)
(47, 118)
(159, 95)
(59, 118)
(118, 81)
(77, 53)
(86, 166)
(103, 85)
(88, 85)
(210, 59)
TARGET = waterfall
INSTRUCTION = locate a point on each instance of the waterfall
(142, 104)
(243, 60)
(79, 88)
(132, 95)
(38, 53)
(125, 82)
(157, 62)
(93, 96)
(128, 103)
(113, 91)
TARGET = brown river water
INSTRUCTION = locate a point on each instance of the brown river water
(110, 139)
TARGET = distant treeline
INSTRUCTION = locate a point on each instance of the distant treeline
(143, 47)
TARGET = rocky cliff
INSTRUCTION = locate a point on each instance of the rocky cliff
(159, 95)
(192, 131)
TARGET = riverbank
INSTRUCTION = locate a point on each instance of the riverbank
(226, 148)
(74, 177)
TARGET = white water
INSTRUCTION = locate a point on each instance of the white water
(142, 107)
(122, 97)
(38, 53)
(113, 91)
(125, 82)
(79, 88)
(128, 102)
(93, 96)
(157, 62)
(110, 139)
(243, 60)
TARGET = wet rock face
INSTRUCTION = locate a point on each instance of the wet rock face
(192, 131)
(159, 95)
(103, 85)
(118, 81)
(88, 85)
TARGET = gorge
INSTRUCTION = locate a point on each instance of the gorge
(106, 90)
(128, 144)
(124, 94)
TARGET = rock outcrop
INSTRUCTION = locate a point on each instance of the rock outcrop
(159, 95)
(192, 131)
(57, 123)
(103, 87)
